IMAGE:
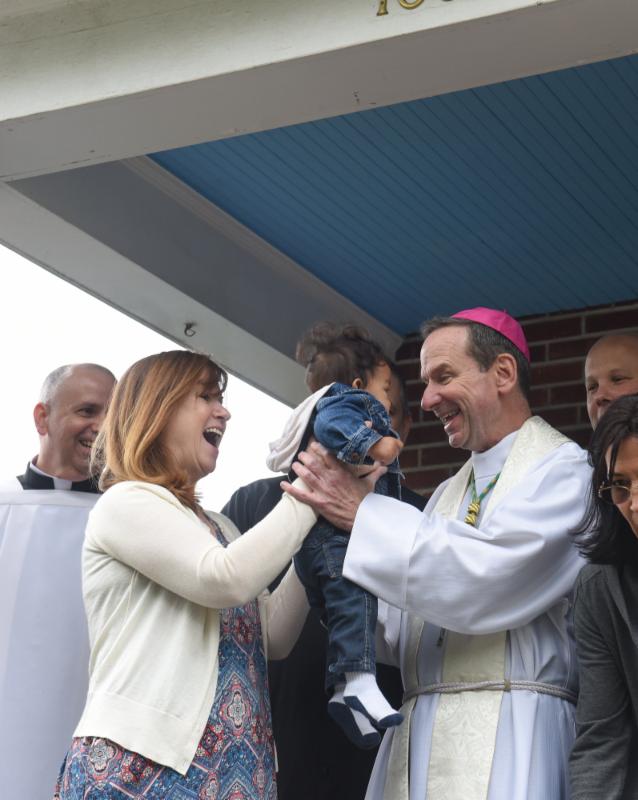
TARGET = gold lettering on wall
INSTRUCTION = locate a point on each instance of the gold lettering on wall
(408, 4)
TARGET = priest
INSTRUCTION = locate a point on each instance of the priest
(479, 584)
(43, 635)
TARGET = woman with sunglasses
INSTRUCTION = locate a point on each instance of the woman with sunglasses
(179, 619)
(604, 762)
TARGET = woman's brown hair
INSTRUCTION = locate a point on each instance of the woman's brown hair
(129, 447)
(604, 535)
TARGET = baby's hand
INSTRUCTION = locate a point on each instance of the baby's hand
(386, 450)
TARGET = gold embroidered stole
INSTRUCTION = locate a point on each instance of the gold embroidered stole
(464, 734)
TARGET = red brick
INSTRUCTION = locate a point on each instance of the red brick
(415, 485)
(426, 435)
(547, 329)
(439, 455)
(564, 372)
(410, 371)
(570, 393)
(538, 353)
(409, 351)
(410, 457)
(560, 417)
(538, 397)
(570, 348)
(581, 435)
(429, 478)
(584, 416)
(414, 392)
(612, 320)
(603, 307)
(417, 414)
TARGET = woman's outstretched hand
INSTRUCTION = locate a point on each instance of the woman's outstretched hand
(331, 490)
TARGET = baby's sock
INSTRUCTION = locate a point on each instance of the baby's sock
(354, 724)
(362, 694)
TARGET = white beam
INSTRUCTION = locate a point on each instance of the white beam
(77, 257)
(101, 80)
(175, 234)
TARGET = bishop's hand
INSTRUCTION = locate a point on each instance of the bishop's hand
(331, 489)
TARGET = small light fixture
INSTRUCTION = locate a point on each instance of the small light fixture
(189, 329)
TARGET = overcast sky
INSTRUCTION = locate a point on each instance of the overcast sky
(46, 322)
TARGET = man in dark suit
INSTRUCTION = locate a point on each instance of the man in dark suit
(316, 761)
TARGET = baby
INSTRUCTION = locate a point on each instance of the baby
(349, 416)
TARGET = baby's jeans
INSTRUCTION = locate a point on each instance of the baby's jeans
(349, 612)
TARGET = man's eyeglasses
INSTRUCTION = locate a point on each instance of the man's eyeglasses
(616, 492)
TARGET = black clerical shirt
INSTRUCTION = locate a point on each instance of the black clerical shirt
(35, 480)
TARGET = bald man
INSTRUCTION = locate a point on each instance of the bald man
(43, 635)
(611, 371)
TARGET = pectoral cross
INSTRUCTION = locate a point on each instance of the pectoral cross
(474, 508)
(472, 512)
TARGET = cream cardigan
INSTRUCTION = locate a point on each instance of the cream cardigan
(153, 579)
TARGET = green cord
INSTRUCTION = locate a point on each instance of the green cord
(475, 505)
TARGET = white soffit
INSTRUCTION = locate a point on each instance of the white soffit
(92, 266)
(101, 80)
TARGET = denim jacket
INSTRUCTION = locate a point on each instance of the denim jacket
(339, 424)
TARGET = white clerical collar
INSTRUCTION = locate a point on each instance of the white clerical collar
(491, 461)
(58, 483)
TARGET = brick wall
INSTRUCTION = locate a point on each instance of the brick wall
(558, 345)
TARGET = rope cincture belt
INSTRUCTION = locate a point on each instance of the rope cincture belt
(492, 686)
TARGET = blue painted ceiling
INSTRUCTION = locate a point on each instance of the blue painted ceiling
(520, 195)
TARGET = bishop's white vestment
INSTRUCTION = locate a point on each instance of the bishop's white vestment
(44, 648)
(480, 623)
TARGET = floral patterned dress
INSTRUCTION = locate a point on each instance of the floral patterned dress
(235, 756)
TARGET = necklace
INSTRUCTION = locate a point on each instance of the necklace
(475, 505)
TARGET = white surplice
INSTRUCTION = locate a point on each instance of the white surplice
(44, 648)
(513, 574)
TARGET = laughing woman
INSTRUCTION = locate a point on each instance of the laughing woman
(178, 615)
(603, 762)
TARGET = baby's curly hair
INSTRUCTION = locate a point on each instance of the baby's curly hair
(338, 353)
